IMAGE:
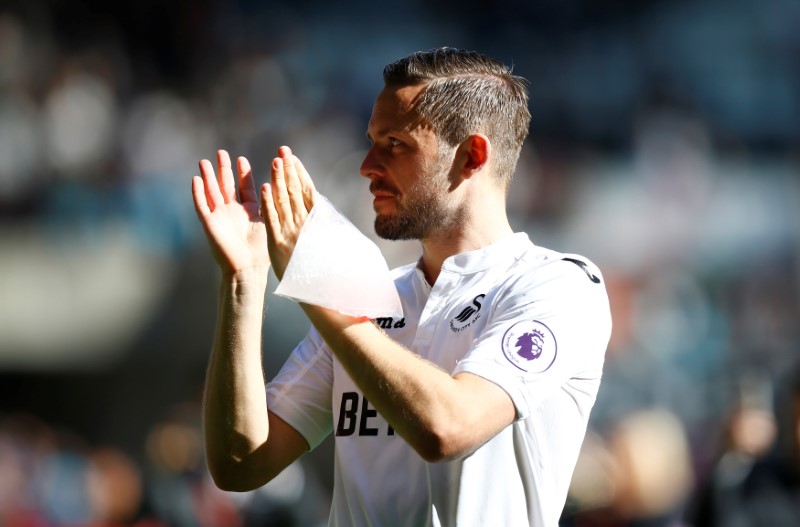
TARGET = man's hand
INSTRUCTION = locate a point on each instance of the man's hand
(232, 223)
(285, 204)
(246, 445)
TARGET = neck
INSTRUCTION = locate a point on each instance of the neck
(476, 231)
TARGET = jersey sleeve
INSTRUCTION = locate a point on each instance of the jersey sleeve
(300, 393)
(544, 332)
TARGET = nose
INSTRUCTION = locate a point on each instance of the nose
(370, 167)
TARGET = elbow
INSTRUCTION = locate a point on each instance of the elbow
(443, 445)
(229, 484)
(435, 454)
(226, 480)
(231, 478)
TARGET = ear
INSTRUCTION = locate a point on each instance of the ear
(476, 150)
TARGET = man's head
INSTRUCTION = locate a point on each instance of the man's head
(443, 117)
(464, 93)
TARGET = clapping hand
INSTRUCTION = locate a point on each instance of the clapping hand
(285, 205)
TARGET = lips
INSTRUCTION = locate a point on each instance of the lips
(381, 191)
(381, 198)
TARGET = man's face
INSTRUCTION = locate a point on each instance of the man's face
(407, 171)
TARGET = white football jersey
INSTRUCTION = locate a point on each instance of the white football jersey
(535, 322)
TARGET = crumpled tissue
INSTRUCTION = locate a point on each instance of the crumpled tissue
(334, 265)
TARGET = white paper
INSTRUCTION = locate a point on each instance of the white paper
(335, 266)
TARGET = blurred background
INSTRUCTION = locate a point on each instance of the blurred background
(665, 146)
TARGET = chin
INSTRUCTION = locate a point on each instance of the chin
(390, 228)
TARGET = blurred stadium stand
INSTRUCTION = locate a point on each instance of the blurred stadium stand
(665, 145)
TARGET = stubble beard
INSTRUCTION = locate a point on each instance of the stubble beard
(423, 211)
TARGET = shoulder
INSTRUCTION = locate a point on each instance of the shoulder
(565, 290)
(577, 267)
(543, 269)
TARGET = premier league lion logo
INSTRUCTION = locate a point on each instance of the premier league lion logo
(530, 346)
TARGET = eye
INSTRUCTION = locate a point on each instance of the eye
(393, 141)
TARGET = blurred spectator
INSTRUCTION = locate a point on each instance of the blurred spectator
(21, 137)
(25, 444)
(640, 477)
(80, 121)
(53, 478)
(115, 490)
(764, 491)
(748, 431)
(183, 494)
(181, 491)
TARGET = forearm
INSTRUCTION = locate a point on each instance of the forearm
(235, 408)
(440, 416)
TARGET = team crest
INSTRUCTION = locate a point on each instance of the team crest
(530, 346)
(468, 315)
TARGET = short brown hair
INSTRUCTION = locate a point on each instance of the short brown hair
(467, 92)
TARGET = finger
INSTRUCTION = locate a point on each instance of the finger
(226, 183)
(199, 197)
(307, 185)
(280, 195)
(247, 185)
(213, 196)
(269, 212)
(293, 186)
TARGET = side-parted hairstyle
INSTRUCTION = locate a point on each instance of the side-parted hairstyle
(465, 93)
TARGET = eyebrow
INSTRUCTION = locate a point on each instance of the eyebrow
(386, 131)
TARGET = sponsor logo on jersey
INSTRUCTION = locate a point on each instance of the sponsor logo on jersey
(530, 346)
(585, 268)
(389, 322)
(468, 315)
(357, 417)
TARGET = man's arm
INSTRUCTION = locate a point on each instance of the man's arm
(246, 445)
(440, 416)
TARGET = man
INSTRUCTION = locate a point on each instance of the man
(471, 409)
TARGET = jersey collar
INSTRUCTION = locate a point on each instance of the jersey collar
(507, 249)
